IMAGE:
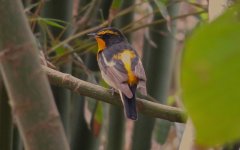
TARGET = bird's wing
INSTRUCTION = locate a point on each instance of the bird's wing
(113, 76)
(140, 73)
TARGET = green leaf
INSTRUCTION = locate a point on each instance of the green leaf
(93, 111)
(162, 9)
(52, 22)
(57, 20)
(210, 79)
(116, 4)
(60, 51)
(99, 113)
(31, 6)
(97, 120)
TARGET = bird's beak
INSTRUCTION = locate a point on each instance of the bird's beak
(93, 35)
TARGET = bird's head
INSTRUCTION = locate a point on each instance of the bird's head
(107, 37)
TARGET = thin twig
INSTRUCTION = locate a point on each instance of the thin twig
(36, 13)
(198, 5)
(163, 21)
(77, 35)
(80, 49)
(121, 13)
(87, 15)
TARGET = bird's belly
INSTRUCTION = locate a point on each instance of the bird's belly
(107, 80)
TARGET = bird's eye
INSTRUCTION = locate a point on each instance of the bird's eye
(106, 35)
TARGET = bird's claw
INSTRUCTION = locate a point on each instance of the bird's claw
(112, 90)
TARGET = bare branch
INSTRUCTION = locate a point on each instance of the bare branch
(99, 93)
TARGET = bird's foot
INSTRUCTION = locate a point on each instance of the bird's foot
(112, 90)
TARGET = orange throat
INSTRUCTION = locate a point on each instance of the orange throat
(101, 44)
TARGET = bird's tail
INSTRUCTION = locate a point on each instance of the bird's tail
(130, 104)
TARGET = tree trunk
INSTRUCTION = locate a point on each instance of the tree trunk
(27, 86)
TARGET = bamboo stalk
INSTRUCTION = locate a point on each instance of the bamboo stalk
(6, 126)
(62, 10)
(78, 124)
(29, 92)
(159, 78)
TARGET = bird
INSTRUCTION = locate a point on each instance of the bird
(121, 67)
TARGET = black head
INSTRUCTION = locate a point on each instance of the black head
(110, 35)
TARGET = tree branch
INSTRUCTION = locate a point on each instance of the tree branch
(99, 93)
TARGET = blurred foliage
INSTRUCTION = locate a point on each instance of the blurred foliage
(116, 4)
(210, 79)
